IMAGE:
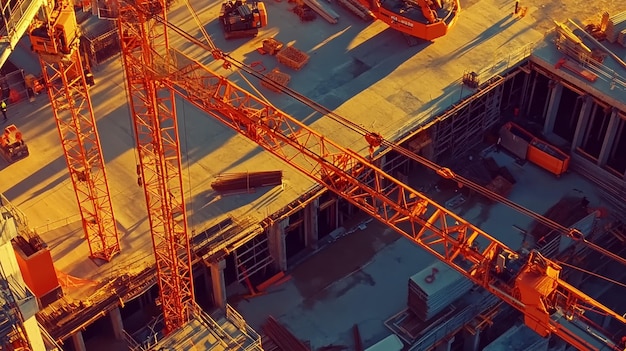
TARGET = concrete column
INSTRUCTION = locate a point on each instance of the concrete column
(277, 245)
(79, 343)
(218, 283)
(609, 138)
(118, 324)
(471, 342)
(311, 231)
(553, 107)
(583, 119)
(446, 345)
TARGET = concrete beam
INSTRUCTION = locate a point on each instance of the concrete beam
(471, 342)
(78, 342)
(445, 345)
(583, 120)
(553, 107)
(609, 138)
(117, 323)
(311, 230)
(218, 283)
(277, 245)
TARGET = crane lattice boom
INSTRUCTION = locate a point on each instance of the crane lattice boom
(64, 75)
(526, 281)
(153, 112)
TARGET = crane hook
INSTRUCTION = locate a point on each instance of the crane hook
(374, 140)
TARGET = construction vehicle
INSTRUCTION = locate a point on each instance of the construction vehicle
(12, 144)
(54, 37)
(422, 19)
(242, 19)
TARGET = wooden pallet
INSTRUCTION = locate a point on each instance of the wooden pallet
(278, 77)
(292, 58)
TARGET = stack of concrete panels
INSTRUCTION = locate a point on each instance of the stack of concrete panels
(518, 338)
(615, 25)
(434, 288)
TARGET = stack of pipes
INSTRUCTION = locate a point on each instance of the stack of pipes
(247, 181)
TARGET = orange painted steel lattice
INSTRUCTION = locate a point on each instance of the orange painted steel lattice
(447, 236)
(76, 124)
(154, 119)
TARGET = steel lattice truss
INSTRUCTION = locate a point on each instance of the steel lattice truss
(69, 96)
(449, 237)
(156, 132)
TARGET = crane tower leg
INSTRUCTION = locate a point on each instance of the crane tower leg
(76, 124)
(153, 112)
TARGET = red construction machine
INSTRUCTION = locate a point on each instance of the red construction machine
(12, 146)
(242, 19)
(423, 19)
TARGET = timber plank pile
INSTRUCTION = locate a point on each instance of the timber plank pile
(435, 288)
(281, 337)
(277, 77)
(292, 58)
(247, 181)
(358, 9)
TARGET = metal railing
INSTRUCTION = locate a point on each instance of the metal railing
(234, 317)
(57, 224)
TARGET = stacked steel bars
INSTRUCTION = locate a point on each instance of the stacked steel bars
(282, 337)
(615, 27)
(248, 181)
(435, 288)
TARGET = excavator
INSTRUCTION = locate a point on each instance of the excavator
(423, 19)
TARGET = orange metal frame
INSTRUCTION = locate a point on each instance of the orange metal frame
(153, 113)
(449, 237)
(76, 125)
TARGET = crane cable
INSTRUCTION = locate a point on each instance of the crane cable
(377, 140)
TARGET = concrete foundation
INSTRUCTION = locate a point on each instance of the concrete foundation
(218, 284)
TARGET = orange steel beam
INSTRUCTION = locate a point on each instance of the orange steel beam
(449, 237)
(153, 112)
(76, 124)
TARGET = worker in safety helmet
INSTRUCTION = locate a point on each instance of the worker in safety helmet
(3, 107)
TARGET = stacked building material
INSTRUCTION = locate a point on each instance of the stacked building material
(277, 77)
(272, 46)
(358, 9)
(323, 10)
(434, 288)
(615, 25)
(282, 337)
(292, 57)
(247, 181)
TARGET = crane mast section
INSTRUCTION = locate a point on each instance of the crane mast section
(449, 237)
(152, 106)
(76, 124)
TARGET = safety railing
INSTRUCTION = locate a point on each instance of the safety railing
(59, 223)
(234, 317)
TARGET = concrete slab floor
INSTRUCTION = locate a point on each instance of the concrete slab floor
(362, 278)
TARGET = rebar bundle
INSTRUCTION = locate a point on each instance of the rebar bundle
(247, 181)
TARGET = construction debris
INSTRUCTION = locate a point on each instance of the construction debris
(282, 337)
(292, 58)
(435, 288)
(305, 13)
(248, 181)
(277, 77)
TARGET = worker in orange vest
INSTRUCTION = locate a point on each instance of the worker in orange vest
(3, 107)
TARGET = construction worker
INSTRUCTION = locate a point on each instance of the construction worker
(3, 107)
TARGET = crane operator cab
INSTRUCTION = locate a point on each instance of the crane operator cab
(57, 34)
(241, 19)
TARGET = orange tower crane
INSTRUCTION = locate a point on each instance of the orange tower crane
(55, 39)
(527, 281)
(144, 43)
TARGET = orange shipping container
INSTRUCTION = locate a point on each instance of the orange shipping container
(36, 267)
